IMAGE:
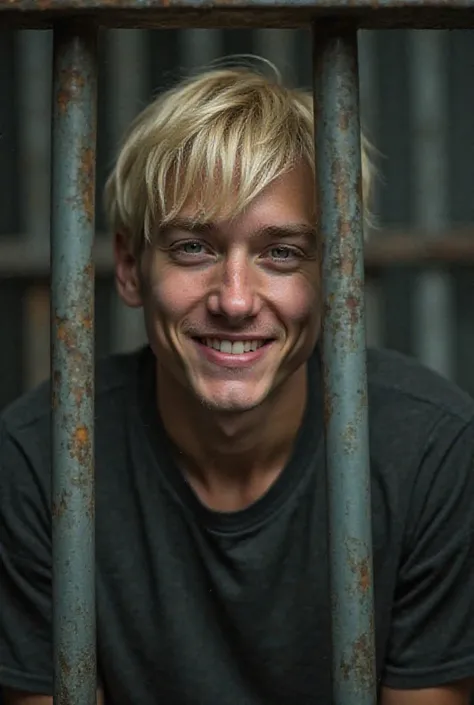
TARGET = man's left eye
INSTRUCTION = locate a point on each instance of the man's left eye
(192, 248)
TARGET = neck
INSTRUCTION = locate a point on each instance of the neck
(231, 460)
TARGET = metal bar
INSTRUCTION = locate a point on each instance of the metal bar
(34, 51)
(154, 14)
(72, 328)
(369, 107)
(127, 81)
(198, 48)
(433, 305)
(337, 131)
(279, 47)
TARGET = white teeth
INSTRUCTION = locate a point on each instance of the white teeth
(238, 348)
(235, 348)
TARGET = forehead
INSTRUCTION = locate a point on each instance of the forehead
(287, 200)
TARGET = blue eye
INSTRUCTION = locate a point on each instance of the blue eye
(192, 248)
(281, 252)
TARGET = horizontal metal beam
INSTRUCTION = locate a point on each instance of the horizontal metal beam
(149, 14)
(384, 249)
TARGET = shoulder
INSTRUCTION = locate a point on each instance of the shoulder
(25, 436)
(408, 401)
(422, 451)
(396, 380)
(30, 413)
(421, 435)
(25, 425)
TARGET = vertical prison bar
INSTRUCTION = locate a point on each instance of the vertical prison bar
(72, 329)
(339, 181)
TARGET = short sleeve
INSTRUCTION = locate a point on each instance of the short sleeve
(431, 641)
(25, 567)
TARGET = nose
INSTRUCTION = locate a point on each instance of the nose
(235, 294)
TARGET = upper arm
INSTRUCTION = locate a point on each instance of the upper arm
(457, 694)
(16, 697)
(25, 567)
(431, 640)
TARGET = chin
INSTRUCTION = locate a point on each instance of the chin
(233, 398)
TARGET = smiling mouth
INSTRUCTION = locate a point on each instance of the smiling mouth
(233, 347)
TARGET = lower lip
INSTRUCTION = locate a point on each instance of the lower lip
(229, 359)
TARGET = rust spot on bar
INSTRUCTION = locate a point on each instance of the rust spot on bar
(344, 120)
(89, 271)
(349, 437)
(354, 310)
(63, 331)
(86, 181)
(80, 444)
(345, 228)
(71, 83)
(64, 665)
(58, 508)
(364, 575)
(86, 321)
(361, 567)
(358, 668)
(81, 435)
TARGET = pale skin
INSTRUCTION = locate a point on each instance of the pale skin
(256, 276)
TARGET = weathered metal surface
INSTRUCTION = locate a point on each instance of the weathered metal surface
(72, 328)
(346, 413)
(402, 14)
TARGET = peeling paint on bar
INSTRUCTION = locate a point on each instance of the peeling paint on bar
(346, 414)
(72, 333)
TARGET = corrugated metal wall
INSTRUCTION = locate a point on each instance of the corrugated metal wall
(417, 101)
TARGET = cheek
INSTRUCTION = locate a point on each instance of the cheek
(173, 295)
(297, 301)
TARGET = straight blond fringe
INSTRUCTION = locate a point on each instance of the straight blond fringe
(218, 138)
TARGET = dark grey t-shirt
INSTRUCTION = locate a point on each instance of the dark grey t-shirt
(202, 608)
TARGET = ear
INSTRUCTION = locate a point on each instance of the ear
(127, 274)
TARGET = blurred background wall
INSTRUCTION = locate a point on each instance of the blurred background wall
(417, 103)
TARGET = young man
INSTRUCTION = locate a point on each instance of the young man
(211, 516)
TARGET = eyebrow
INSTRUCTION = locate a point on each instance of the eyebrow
(288, 230)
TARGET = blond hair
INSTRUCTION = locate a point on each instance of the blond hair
(195, 139)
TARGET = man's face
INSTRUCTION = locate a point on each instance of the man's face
(233, 308)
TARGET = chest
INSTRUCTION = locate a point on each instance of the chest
(186, 615)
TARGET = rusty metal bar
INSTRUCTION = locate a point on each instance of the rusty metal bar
(337, 131)
(34, 56)
(127, 81)
(72, 329)
(154, 14)
(433, 326)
